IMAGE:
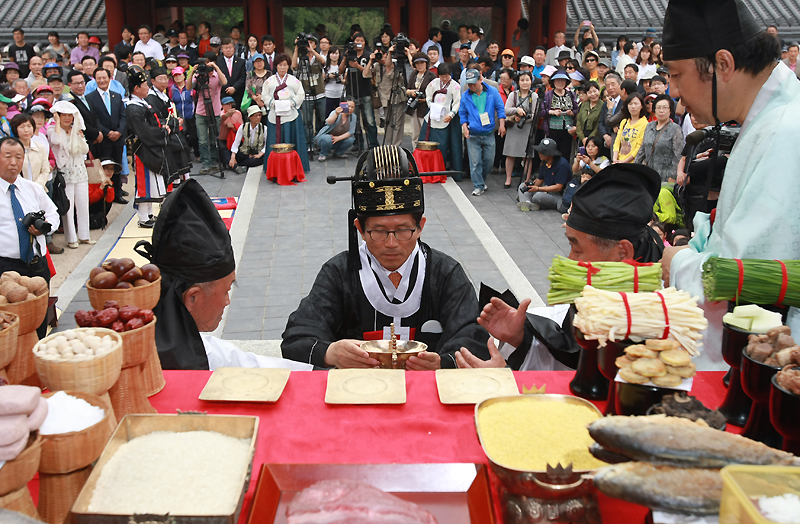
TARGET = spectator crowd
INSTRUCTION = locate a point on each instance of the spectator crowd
(552, 117)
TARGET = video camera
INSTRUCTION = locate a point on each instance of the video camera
(378, 51)
(302, 43)
(400, 43)
(727, 137)
(351, 51)
(203, 70)
(36, 219)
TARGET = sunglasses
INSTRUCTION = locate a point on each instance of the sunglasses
(591, 60)
(570, 67)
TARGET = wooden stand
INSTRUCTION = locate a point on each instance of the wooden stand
(129, 394)
(153, 374)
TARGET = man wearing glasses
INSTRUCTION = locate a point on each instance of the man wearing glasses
(392, 277)
(92, 133)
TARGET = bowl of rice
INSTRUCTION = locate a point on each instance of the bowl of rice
(538, 445)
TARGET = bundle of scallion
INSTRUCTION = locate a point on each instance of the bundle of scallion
(752, 280)
(568, 277)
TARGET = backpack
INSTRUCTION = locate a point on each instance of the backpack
(667, 208)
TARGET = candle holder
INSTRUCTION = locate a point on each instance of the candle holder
(588, 382)
(607, 363)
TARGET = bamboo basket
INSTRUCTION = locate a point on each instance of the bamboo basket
(57, 494)
(144, 297)
(21, 502)
(153, 374)
(129, 394)
(67, 452)
(31, 313)
(95, 376)
(16, 473)
(8, 343)
(22, 370)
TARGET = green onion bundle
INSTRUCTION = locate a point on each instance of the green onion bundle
(762, 281)
(567, 278)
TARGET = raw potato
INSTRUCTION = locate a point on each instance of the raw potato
(634, 378)
(675, 357)
(640, 351)
(649, 367)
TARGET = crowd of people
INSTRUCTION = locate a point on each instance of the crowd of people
(552, 117)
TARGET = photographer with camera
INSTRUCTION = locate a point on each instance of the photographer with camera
(417, 107)
(358, 87)
(208, 81)
(308, 66)
(725, 67)
(390, 78)
(334, 82)
(379, 61)
(26, 215)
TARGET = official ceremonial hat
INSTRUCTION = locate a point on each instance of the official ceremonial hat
(694, 28)
(617, 202)
(387, 183)
(158, 71)
(136, 77)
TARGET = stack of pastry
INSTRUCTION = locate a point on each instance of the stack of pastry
(662, 362)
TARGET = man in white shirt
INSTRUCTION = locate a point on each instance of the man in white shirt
(147, 45)
(22, 249)
(456, 47)
(628, 58)
(551, 58)
(434, 37)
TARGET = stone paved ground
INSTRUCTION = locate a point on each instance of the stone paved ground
(293, 230)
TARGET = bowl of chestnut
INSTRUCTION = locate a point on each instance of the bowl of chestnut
(121, 280)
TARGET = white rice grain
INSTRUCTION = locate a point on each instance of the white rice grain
(190, 473)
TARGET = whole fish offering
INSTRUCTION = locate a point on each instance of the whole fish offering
(666, 488)
(674, 441)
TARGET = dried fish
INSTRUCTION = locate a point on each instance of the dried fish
(684, 490)
(679, 442)
(609, 457)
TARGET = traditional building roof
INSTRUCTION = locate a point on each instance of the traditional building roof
(612, 18)
(38, 17)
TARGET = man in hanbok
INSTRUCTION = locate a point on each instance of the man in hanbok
(392, 277)
(724, 67)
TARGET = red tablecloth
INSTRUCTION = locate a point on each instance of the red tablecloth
(430, 162)
(301, 428)
(285, 168)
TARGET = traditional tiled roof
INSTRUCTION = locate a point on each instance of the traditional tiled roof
(38, 17)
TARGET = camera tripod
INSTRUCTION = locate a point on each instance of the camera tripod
(213, 130)
(362, 143)
(309, 102)
(398, 81)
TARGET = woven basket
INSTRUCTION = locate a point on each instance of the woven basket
(57, 494)
(66, 452)
(153, 374)
(95, 376)
(22, 370)
(128, 396)
(144, 297)
(138, 344)
(30, 312)
(8, 343)
(16, 474)
(21, 502)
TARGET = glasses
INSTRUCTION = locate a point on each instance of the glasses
(591, 60)
(570, 67)
(381, 235)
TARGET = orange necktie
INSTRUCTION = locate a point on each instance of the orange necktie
(395, 277)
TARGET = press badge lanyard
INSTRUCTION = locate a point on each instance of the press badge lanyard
(480, 105)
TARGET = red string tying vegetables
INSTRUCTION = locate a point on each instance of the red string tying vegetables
(741, 278)
(666, 316)
(784, 282)
(627, 312)
(636, 266)
(590, 270)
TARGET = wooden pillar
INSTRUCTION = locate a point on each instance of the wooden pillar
(513, 14)
(256, 18)
(115, 19)
(419, 19)
(535, 21)
(558, 19)
(276, 22)
(393, 15)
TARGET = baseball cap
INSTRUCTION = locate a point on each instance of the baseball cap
(527, 60)
(466, 46)
(662, 70)
(110, 162)
(170, 58)
(215, 40)
(171, 33)
(228, 100)
(11, 65)
(472, 76)
(177, 71)
(480, 30)
(43, 87)
(548, 70)
(94, 40)
(51, 65)
(605, 62)
(507, 52)
(54, 78)
(183, 55)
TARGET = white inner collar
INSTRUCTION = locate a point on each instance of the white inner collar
(383, 273)
(775, 79)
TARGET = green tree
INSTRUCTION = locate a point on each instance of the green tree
(220, 18)
(337, 20)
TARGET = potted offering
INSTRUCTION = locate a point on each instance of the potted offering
(26, 297)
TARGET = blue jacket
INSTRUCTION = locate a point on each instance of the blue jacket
(184, 102)
(469, 113)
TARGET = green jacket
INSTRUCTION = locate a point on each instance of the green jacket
(588, 120)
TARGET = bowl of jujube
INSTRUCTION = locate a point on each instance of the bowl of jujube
(136, 326)
(121, 280)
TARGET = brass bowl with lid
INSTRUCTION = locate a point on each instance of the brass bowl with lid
(381, 351)
(426, 145)
(282, 148)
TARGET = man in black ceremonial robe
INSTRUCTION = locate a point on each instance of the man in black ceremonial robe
(392, 277)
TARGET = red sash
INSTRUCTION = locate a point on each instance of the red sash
(378, 335)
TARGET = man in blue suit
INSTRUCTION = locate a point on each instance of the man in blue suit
(110, 111)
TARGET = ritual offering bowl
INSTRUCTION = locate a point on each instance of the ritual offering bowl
(736, 406)
(555, 492)
(66, 462)
(143, 297)
(588, 382)
(606, 361)
(426, 145)
(756, 383)
(784, 408)
(381, 350)
(282, 148)
(8, 344)
(636, 399)
(129, 394)
(31, 313)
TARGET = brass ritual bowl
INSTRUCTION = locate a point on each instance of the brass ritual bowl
(282, 148)
(380, 351)
(427, 145)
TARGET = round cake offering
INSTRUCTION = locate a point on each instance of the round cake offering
(180, 473)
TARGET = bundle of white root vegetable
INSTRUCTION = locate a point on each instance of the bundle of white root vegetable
(669, 313)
